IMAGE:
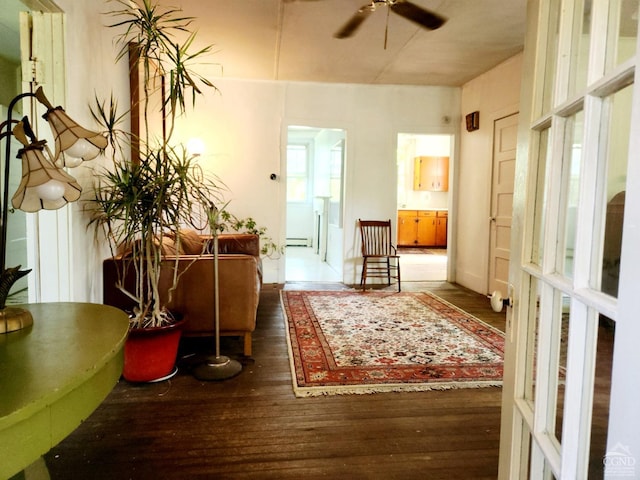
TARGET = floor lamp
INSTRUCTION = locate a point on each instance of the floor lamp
(217, 367)
(44, 184)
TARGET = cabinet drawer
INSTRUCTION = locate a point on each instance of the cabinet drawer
(443, 213)
(426, 213)
(407, 213)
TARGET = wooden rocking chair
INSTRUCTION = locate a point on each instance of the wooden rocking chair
(380, 257)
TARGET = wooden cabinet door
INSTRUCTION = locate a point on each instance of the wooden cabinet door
(441, 175)
(431, 173)
(441, 230)
(426, 228)
(407, 227)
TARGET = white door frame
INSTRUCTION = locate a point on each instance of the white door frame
(337, 232)
(48, 232)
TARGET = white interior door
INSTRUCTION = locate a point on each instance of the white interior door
(570, 401)
(505, 136)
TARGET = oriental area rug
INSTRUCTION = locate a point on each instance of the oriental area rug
(346, 342)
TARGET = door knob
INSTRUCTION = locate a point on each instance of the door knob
(497, 302)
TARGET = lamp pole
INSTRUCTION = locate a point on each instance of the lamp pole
(217, 367)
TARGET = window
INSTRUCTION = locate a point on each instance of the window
(297, 173)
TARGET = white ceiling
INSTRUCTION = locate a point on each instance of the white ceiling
(293, 40)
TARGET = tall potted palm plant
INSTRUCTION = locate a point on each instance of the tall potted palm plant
(154, 188)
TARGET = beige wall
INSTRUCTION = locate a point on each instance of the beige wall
(90, 70)
(495, 94)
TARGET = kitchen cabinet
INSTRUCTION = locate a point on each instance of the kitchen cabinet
(422, 228)
(441, 228)
(431, 174)
(407, 227)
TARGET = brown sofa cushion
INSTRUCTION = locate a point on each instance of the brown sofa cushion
(191, 243)
(246, 243)
(168, 248)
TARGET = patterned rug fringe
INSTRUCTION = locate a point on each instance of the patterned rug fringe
(401, 387)
(370, 388)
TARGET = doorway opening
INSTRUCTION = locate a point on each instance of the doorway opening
(423, 205)
(315, 161)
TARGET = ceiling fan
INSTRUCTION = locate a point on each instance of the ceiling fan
(408, 10)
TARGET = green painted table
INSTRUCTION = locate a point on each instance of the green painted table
(54, 374)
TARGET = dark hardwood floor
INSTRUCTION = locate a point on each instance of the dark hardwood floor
(253, 427)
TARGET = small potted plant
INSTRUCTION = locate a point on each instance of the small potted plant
(228, 222)
(154, 188)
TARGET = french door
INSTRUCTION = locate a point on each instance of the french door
(573, 333)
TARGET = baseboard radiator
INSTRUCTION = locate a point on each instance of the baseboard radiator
(298, 242)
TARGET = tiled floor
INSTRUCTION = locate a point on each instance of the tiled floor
(303, 265)
(423, 267)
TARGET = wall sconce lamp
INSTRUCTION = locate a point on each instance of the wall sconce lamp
(43, 186)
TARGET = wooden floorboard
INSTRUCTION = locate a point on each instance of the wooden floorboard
(253, 427)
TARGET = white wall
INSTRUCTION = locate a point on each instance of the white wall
(244, 128)
(91, 69)
(495, 94)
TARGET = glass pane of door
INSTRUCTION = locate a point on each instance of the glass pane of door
(571, 173)
(532, 341)
(551, 54)
(623, 24)
(564, 314)
(540, 197)
(616, 129)
(601, 397)
(580, 47)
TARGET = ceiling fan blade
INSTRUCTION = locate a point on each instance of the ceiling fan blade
(417, 14)
(354, 22)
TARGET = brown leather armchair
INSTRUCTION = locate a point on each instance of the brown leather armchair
(240, 281)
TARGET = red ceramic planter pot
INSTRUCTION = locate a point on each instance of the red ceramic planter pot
(150, 353)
